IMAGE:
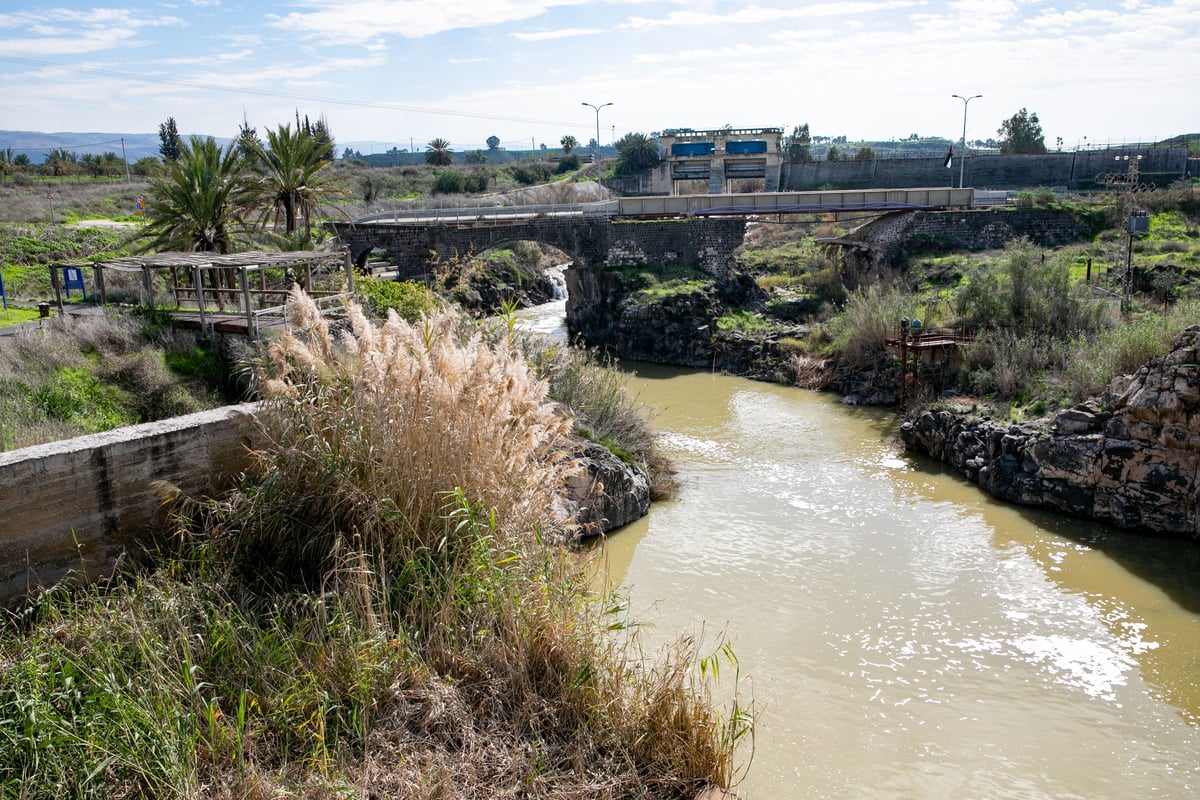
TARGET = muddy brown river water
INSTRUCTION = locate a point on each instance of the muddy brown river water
(900, 634)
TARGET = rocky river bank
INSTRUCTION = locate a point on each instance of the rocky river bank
(1129, 457)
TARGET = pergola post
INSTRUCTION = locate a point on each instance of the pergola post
(198, 280)
(244, 280)
(98, 277)
(148, 286)
(57, 288)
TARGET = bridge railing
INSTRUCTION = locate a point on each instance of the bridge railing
(452, 216)
(695, 205)
(796, 202)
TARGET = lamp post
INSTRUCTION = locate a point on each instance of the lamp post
(597, 108)
(962, 164)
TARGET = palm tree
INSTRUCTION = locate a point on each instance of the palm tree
(195, 200)
(290, 181)
(568, 143)
(61, 162)
(438, 153)
(636, 152)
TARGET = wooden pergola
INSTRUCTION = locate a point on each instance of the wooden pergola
(225, 293)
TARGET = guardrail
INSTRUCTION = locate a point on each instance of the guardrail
(694, 205)
(606, 208)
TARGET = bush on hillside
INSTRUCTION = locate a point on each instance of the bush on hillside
(409, 299)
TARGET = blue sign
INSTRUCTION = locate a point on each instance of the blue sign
(73, 279)
(3, 296)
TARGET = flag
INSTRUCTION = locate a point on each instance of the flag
(949, 156)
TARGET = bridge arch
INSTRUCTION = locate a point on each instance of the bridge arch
(592, 242)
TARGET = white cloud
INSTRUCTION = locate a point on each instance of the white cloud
(564, 33)
(354, 21)
(63, 31)
(756, 15)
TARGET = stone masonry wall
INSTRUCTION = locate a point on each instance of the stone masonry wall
(889, 237)
(80, 504)
(705, 243)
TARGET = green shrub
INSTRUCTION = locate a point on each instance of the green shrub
(409, 299)
(1122, 349)
(1030, 293)
(532, 172)
(568, 163)
(743, 321)
(869, 318)
(448, 182)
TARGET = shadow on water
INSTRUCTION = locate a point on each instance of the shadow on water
(1171, 563)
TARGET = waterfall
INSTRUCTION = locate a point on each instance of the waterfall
(555, 274)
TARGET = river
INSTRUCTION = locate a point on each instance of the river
(899, 633)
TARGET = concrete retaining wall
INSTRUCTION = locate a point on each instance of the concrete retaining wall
(1077, 171)
(78, 505)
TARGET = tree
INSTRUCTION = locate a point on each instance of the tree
(289, 181)
(636, 152)
(568, 143)
(195, 199)
(493, 142)
(60, 162)
(323, 138)
(800, 144)
(832, 153)
(865, 153)
(248, 141)
(1022, 133)
(169, 141)
(476, 157)
(438, 153)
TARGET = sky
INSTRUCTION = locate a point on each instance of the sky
(399, 73)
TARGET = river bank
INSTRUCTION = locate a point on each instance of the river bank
(1129, 457)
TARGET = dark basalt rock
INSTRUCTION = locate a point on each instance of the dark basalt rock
(606, 493)
(1130, 457)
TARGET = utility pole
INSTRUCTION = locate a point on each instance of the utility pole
(126, 160)
(962, 161)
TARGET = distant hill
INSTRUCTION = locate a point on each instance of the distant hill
(36, 144)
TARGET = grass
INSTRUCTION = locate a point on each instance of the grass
(14, 315)
(63, 380)
(26, 250)
(602, 409)
(743, 321)
(377, 610)
(655, 284)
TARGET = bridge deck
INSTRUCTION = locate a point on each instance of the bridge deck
(749, 204)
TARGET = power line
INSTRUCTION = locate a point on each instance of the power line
(287, 95)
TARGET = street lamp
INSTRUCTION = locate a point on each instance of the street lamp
(589, 105)
(962, 162)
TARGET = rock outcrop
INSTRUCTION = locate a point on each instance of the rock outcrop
(605, 309)
(1130, 457)
(605, 493)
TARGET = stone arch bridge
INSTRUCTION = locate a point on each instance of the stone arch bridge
(699, 231)
(592, 242)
